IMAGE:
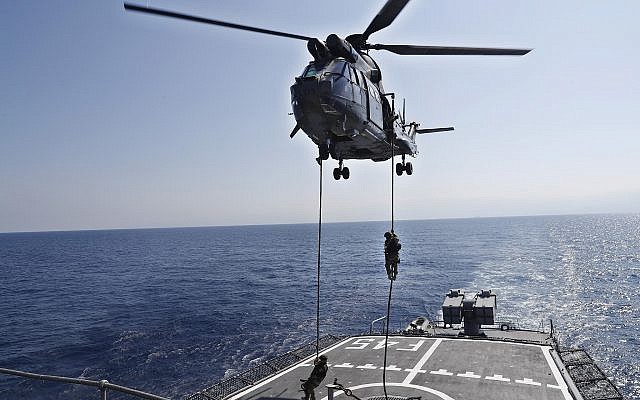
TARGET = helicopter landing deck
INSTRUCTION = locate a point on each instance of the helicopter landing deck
(430, 367)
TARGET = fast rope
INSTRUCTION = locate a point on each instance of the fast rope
(318, 269)
(386, 334)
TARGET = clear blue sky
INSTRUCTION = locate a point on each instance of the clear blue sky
(111, 119)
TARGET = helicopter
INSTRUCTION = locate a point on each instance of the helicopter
(339, 100)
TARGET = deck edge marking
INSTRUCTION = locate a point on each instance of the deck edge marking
(286, 371)
(435, 392)
(556, 373)
(422, 362)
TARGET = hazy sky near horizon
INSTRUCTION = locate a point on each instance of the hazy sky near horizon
(111, 119)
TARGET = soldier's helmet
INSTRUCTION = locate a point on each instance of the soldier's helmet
(387, 235)
(323, 358)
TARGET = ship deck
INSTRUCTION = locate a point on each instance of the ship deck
(431, 367)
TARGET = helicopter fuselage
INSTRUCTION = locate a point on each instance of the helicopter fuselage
(340, 103)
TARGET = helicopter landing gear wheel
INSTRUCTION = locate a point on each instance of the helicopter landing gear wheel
(341, 172)
(337, 174)
(404, 167)
(345, 173)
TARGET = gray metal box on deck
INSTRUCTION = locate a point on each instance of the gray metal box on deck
(452, 307)
(485, 307)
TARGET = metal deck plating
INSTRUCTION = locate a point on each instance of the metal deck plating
(431, 367)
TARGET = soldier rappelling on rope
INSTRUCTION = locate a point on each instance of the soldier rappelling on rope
(391, 254)
(317, 375)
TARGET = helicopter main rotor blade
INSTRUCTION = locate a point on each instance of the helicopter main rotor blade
(408, 49)
(193, 18)
(385, 16)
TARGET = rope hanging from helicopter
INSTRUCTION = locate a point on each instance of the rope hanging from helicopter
(318, 267)
(386, 333)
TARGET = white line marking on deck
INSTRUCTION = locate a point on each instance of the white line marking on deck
(418, 367)
(497, 377)
(441, 372)
(344, 365)
(417, 371)
(469, 374)
(556, 373)
(392, 368)
(367, 366)
(554, 386)
(438, 393)
(528, 381)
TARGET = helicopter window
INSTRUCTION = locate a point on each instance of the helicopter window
(348, 73)
(374, 93)
(336, 67)
(354, 75)
(310, 71)
(363, 80)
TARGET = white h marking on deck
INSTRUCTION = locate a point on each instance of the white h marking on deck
(418, 367)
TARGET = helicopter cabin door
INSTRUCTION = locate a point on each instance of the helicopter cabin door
(374, 103)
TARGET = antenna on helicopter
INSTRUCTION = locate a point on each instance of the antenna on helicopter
(403, 109)
(434, 130)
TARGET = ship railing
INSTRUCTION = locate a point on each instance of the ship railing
(103, 385)
(384, 323)
(237, 382)
(587, 377)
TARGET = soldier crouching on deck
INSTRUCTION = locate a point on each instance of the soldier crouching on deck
(391, 254)
(317, 375)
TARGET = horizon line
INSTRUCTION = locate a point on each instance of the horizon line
(311, 223)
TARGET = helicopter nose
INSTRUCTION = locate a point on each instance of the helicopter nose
(310, 90)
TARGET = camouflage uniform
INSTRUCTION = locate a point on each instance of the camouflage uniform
(392, 248)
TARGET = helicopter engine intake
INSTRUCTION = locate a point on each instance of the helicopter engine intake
(317, 49)
(341, 48)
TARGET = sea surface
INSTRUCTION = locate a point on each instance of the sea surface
(171, 311)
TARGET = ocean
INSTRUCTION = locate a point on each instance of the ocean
(171, 311)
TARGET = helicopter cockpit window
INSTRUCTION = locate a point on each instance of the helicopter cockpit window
(335, 67)
(310, 71)
(335, 71)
